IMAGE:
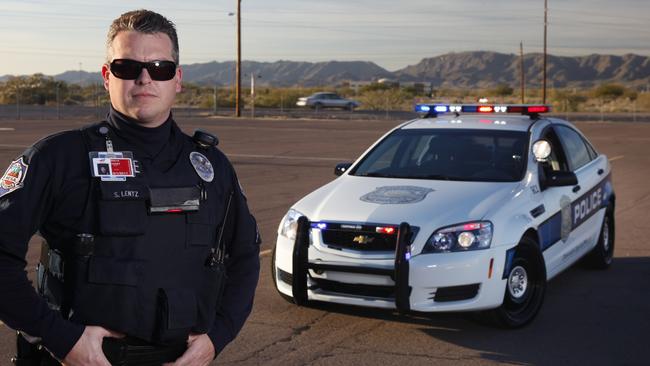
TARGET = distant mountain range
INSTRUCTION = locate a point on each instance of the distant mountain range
(454, 70)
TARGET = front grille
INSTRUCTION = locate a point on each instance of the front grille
(359, 237)
(456, 293)
(387, 292)
(285, 277)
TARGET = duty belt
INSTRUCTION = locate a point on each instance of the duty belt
(130, 351)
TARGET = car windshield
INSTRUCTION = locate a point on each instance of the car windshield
(448, 154)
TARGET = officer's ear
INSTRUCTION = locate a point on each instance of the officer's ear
(105, 73)
(178, 79)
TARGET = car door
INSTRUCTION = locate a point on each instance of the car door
(555, 227)
(336, 101)
(587, 197)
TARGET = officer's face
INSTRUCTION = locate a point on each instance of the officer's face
(143, 99)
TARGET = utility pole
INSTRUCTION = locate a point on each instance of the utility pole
(253, 95)
(522, 75)
(238, 67)
(545, 26)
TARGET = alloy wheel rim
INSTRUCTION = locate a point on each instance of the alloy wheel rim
(518, 282)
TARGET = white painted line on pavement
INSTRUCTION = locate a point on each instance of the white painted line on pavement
(264, 253)
(7, 129)
(617, 157)
(286, 157)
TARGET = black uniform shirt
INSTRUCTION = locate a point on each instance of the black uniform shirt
(52, 200)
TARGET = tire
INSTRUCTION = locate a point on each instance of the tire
(350, 107)
(275, 283)
(318, 106)
(525, 287)
(602, 255)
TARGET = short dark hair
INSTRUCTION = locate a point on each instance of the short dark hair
(144, 21)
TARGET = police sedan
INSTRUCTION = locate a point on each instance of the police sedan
(470, 208)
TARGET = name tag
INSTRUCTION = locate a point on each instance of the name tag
(112, 166)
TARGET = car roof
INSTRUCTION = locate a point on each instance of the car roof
(473, 121)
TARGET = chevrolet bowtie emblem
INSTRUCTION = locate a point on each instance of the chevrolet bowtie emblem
(362, 239)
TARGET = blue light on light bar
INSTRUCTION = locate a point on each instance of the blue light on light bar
(422, 108)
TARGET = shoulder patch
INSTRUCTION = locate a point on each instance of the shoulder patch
(14, 177)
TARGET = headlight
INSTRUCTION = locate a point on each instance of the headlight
(289, 224)
(460, 238)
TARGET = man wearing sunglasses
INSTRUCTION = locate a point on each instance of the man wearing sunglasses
(151, 254)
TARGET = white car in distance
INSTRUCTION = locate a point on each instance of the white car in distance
(327, 100)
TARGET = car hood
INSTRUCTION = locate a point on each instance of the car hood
(423, 203)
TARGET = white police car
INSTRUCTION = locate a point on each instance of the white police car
(472, 207)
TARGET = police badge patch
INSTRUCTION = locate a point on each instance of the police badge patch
(14, 177)
(396, 195)
(202, 166)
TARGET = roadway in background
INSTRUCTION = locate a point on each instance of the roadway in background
(589, 317)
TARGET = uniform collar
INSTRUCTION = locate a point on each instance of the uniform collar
(146, 140)
(159, 147)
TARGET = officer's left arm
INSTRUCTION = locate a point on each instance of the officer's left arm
(242, 269)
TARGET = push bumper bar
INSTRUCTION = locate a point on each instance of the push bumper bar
(400, 273)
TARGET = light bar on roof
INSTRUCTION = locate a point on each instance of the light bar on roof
(435, 109)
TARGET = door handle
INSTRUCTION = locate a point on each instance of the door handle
(576, 188)
(600, 171)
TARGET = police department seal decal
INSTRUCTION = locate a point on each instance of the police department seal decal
(566, 226)
(14, 177)
(391, 195)
(202, 166)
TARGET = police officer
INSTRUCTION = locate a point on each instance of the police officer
(152, 254)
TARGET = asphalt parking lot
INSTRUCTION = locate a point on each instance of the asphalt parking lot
(588, 318)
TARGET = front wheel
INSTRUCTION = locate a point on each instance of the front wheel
(525, 287)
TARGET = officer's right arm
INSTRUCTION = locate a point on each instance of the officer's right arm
(22, 212)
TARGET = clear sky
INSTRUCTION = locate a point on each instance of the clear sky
(53, 36)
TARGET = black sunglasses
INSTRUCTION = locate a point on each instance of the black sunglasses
(126, 69)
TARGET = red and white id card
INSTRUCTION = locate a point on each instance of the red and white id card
(114, 166)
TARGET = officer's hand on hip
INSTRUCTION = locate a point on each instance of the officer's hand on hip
(88, 349)
(200, 352)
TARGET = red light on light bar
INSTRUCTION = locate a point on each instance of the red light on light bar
(385, 230)
(174, 210)
(537, 109)
(485, 109)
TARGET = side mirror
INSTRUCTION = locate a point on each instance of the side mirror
(341, 168)
(541, 150)
(560, 179)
